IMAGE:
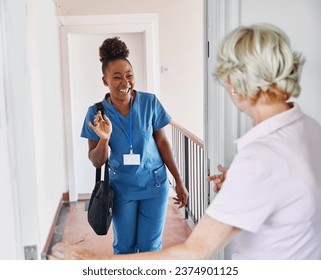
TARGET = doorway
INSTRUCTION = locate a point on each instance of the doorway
(82, 83)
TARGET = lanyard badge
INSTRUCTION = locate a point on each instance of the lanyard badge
(131, 158)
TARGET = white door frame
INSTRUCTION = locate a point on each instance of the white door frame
(223, 122)
(11, 242)
(19, 211)
(105, 24)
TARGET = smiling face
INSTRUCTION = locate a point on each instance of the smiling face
(119, 77)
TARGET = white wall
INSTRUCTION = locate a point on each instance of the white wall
(9, 238)
(20, 189)
(31, 126)
(180, 45)
(45, 84)
(301, 20)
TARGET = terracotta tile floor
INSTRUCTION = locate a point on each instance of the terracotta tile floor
(72, 227)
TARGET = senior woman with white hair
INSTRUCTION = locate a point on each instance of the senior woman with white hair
(270, 197)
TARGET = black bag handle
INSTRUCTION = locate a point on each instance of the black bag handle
(100, 107)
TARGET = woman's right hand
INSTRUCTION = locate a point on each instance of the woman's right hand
(102, 126)
(218, 179)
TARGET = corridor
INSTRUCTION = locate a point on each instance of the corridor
(72, 227)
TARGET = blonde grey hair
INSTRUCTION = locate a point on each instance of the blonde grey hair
(258, 58)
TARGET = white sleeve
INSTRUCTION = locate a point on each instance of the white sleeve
(245, 199)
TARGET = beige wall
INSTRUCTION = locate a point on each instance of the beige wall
(181, 48)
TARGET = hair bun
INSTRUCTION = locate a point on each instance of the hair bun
(113, 48)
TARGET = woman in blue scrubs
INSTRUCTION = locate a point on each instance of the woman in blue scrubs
(131, 133)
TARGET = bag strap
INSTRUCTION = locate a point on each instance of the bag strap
(100, 107)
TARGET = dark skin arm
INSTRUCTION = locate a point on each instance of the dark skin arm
(167, 156)
(98, 151)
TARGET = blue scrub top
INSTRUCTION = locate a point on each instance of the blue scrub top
(149, 179)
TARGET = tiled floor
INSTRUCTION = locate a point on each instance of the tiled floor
(72, 227)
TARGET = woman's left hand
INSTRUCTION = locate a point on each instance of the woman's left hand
(181, 195)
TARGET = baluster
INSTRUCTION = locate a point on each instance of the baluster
(188, 151)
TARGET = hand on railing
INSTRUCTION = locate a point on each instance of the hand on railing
(219, 178)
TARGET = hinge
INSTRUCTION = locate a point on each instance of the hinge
(30, 252)
(208, 184)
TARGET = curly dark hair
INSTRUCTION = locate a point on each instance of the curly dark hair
(112, 49)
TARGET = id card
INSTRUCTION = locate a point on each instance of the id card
(132, 159)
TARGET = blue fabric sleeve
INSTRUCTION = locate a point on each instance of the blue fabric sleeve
(160, 117)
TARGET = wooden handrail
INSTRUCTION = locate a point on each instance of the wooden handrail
(188, 134)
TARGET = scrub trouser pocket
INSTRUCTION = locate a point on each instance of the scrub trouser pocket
(138, 224)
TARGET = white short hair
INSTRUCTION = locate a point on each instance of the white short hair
(258, 58)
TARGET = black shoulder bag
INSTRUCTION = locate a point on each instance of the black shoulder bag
(100, 209)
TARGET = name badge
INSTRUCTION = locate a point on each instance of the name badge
(132, 159)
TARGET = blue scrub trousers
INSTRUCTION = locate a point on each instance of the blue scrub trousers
(138, 224)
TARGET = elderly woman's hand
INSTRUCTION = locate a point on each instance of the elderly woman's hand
(218, 179)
